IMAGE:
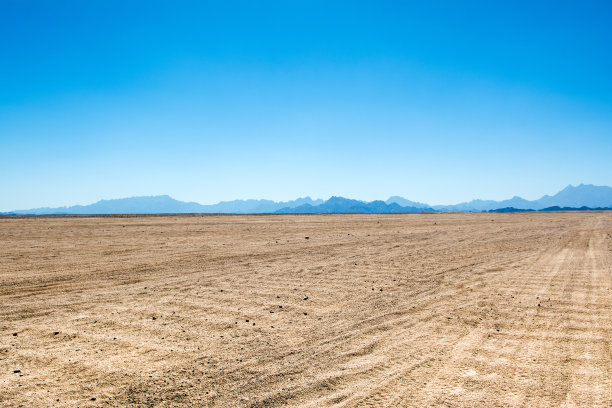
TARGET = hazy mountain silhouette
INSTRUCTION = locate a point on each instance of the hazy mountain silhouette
(584, 195)
(131, 205)
(486, 205)
(164, 204)
(406, 203)
(345, 205)
(570, 198)
(256, 206)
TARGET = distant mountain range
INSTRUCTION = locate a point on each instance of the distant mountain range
(164, 204)
(582, 197)
(553, 208)
(406, 203)
(345, 205)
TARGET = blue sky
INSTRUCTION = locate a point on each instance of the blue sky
(439, 102)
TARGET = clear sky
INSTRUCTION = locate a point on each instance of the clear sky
(438, 102)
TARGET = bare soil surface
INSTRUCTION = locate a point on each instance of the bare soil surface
(456, 310)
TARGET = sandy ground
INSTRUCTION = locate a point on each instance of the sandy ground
(455, 310)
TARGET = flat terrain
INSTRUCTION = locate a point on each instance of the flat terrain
(421, 310)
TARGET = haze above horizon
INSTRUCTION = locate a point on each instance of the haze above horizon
(437, 102)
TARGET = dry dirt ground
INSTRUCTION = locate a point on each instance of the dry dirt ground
(455, 310)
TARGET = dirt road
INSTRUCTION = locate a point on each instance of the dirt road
(455, 310)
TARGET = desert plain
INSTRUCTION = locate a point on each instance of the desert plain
(406, 310)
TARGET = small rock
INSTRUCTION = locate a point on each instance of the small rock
(305, 297)
(306, 237)
(93, 398)
(16, 371)
(55, 333)
(14, 334)
(154, 318)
